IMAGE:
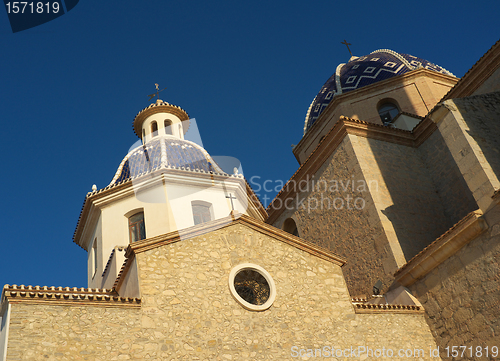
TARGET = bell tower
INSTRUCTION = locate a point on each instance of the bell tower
(164, 184)
(161, 118)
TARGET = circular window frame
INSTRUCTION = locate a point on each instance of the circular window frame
(247, 305)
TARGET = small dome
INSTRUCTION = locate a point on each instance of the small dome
(165, 152)
(359, 72)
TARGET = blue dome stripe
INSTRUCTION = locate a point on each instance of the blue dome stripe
(179, 154)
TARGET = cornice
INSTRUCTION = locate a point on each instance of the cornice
(123, 270)
(163, 107)
(477, 74)
(467, 229)
(66, 296)
(361, 308)
(88, 205)
(204, 228)
(423, 130)
(234, 218)
(365, 91)
(125, 188)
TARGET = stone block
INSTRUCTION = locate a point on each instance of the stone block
(198, 318)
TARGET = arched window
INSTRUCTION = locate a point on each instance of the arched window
(154, 129)
(202, 212)
(168, 127)
(291, 227)
(136, 228)
(388, 110)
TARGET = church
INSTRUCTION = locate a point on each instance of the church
(384, 244)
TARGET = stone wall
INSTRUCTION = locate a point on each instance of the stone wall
(401, 211)
(449, 183)
(482, 114)
(187, 311)
(345, 221)
(406, 196)
(492, 84)
(462, 295)
(54, 332)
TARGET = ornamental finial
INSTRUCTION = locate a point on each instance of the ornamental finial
(347, 44)
(151, 96)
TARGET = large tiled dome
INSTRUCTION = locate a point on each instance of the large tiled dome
(165, 152)
(362, 71)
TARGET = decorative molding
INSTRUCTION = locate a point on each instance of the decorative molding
(66, 296)
(155, 108)
(397, 55)
(235, 218)
(307, 115)
(324, 117)
(269, 279)
(467, 229)
(361, 308)
(337, 78)
(125, 188)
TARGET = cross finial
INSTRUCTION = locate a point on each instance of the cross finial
(151, 96)
(347, 44)
(231, 197)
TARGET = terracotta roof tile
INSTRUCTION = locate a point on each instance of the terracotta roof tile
(386, 308)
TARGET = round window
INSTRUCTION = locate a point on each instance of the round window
(252, 286)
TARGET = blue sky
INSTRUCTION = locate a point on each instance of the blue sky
(247, 71)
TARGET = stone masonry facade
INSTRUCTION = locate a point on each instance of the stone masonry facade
(462, 295)
(396, 208)
(344, 220)
(188, 313)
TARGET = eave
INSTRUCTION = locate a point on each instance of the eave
(477, 74)
(127, 188)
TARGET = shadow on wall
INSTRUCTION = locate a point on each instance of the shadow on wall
(481, 113)
(427, 192)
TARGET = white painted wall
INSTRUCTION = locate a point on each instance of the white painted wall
(96, 234)
(160, 118)
(166, 201)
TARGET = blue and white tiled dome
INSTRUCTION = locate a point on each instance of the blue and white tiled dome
(359, 72)
(165, 152)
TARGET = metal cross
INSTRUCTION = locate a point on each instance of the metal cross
(230, 196)
(151, 96)
(347, 44)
